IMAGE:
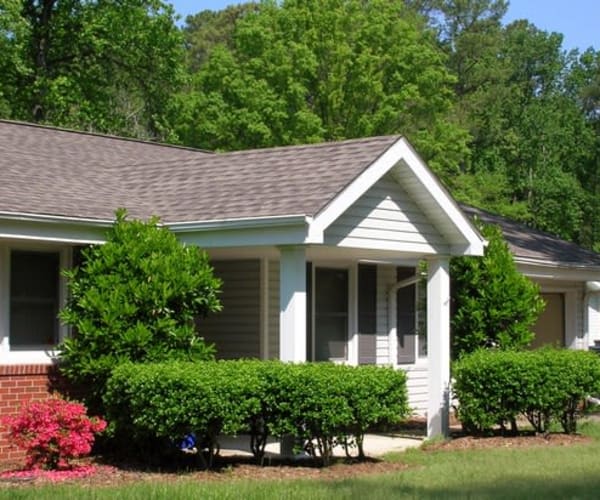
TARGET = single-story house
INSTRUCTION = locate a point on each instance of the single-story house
(569, 280)
(317, 246)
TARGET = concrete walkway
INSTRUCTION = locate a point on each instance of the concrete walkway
(374, 445)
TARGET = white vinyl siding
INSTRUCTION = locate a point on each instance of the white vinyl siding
(235, 330)
(417, 385)
(385, 218)
(594, 319)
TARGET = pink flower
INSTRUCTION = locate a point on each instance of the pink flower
(53, 431)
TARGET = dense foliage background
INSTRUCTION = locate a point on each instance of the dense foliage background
(508, 119)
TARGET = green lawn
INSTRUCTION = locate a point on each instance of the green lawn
(550, 472)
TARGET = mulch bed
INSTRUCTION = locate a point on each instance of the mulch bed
(243, 467)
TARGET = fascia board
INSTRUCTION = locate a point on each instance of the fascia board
(241, 223)
(557, 271)
(260, 231)
(34, 227)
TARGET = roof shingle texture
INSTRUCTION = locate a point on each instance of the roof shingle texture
(62, 173)
(528, 243)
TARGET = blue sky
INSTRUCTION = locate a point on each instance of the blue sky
(577, 20)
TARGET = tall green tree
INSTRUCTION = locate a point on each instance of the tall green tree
(303, 71)
(106, 65)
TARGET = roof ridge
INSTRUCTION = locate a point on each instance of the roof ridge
(104, 136)
(356, 140)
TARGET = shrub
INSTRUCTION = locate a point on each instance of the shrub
(496, 387)
(166, 401)
(492, 303)
(53, 431)
(135, 298)
(319, 403)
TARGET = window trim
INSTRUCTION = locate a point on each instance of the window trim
(351, 339)
(28, 356)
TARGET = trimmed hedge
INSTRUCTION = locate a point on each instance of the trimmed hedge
(497, 387)
(321, 404)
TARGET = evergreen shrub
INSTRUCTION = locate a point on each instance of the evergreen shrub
(319, 403)
(495, 387)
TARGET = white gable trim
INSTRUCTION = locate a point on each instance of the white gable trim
(471, 242)
(354, 190)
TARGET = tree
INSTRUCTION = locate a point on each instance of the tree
(207, 29)
(135, 298)
(108, 66)
(492, 303)
(306, 71)
(530, 137)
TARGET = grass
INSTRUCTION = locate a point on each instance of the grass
(545, 472)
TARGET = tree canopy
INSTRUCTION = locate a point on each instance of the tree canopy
(506, 117)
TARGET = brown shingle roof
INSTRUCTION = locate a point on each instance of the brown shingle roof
(530, 244)
(56, 172)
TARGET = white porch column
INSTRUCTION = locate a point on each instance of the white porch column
(292, 304)
(438, 346)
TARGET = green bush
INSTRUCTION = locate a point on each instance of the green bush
(165, 401)
(492, 302)
(319, 403)
(135, 298)
(497, 387)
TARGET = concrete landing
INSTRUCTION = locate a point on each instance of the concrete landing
(375, 445)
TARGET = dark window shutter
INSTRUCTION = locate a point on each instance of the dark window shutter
(309, 312)
(406, 319)
(367, 314)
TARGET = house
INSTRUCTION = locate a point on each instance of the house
(568, 276)
(317, 246)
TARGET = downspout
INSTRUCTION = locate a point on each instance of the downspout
(392, 314)
(591, 288)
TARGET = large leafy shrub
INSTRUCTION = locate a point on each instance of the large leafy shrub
(135, 298)
(492, 303)
(53, 431)
(496, 387)
(321, 404)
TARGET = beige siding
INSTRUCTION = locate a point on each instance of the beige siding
(386, 218)
(273, 310)
(235, 331)
(417, 387)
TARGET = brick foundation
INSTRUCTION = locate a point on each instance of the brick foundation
(20, 384)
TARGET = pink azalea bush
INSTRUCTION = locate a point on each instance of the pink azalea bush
(53, 431)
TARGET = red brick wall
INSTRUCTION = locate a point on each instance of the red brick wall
(20, 384)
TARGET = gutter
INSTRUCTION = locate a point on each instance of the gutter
(55, 219)
(206, 225)
(241, 223)
(555, 264)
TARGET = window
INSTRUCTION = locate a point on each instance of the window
(34, 299)
(331, 314)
